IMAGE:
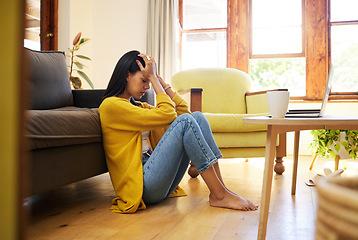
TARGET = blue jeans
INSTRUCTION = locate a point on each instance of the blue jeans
(189, 137)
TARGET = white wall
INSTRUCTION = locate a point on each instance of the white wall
(114, 27)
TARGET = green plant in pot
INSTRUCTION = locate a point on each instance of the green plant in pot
(330, 142)
(76, 65)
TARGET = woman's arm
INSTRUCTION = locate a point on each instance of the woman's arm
(167, 88)
(119, 113)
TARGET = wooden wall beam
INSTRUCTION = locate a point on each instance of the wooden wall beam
(317, 45)
(238, 35)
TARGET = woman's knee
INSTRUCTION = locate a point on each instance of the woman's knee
(187, 117)
(196, 118)
(197, 115)
(183, 116)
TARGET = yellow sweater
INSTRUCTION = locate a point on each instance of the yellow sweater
(122, 125)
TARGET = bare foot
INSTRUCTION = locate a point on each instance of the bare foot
(232, 201)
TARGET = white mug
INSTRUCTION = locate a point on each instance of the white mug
(278, 103)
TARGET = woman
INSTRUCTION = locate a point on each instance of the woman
(131, 130)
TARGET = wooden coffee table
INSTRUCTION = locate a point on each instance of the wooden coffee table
(284, 125)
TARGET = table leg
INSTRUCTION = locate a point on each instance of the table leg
(267, 181)
(295, 162)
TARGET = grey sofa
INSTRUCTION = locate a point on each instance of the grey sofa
(63, 126)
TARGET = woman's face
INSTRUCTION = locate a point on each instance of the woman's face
(137, 85)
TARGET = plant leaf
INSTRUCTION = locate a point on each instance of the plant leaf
(77, 38)
(84, 75)
(82, 41)
(79, 65)
(76, 82)
(83, 57)
(337, 147)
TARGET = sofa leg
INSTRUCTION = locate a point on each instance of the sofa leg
(192, 171)
(279, 168)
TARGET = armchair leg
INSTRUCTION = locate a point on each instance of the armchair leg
(192, 171)
(279, 168)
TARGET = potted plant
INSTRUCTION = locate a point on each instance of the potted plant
(330, 143)
(76, 65)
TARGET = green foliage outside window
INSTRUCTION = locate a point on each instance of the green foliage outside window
(345, 59)
(279, 73)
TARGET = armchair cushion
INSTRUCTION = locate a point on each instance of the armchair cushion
(230, 123)
(223, 88)
(241, 140)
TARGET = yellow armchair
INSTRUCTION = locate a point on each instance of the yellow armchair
(224, 97)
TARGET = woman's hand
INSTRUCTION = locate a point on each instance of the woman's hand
(150, 69)
(150, 72)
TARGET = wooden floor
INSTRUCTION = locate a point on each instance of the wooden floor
(81, 210)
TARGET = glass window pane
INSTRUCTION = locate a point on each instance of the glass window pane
(32, 24)
(203, 50)
(344, 10)
(276, 26)
(199, 14)
(344, 50)
(277, 40)
(273, 73)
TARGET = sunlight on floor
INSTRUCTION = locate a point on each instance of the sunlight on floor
(257, 162)
(350, 167)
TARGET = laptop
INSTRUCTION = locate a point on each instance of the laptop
(314, 113)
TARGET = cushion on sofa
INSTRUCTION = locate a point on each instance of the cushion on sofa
(221, 122)
(62, 127)
(49, 80)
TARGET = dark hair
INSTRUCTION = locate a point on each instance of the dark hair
(126, 65)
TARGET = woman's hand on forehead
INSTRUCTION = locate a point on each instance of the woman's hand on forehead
(150, 69)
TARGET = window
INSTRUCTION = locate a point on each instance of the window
(276, 27)
(277, 52)
(344, 45)
(203, 33)
(280, 43)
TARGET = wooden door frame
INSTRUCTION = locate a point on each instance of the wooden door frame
(49, 25)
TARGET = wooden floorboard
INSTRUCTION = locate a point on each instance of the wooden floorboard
(81, 210)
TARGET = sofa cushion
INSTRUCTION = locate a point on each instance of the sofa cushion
(241, 140)
(49, 80)
(221, 122)
(62, 127)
